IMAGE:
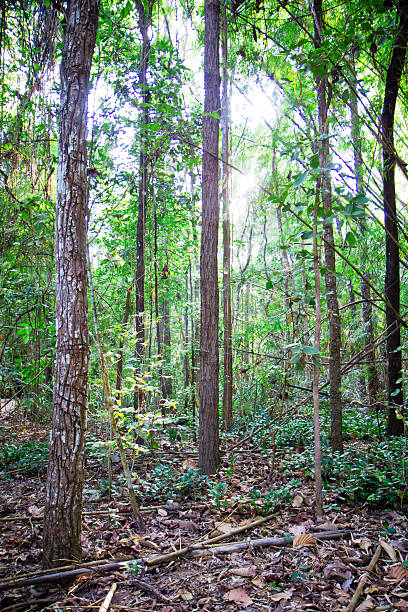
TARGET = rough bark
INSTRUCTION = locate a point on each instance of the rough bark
(209, 359)
(63, 507)
(316, 368)
(144, 24)
(226, 233)
(336, 436)
(395, 426)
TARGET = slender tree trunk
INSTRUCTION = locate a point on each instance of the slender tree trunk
(144, 24)
(367, 309)
(226, 232)
(336, 435)
(395, 425)
(209, 359)
(63, 506)
(316, 367)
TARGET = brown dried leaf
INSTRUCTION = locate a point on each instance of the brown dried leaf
(303, 539)
(238, 595)
(297, 501)
(389, 550)
(398, 572)
(222, 527)
(246, 572)
(189, 464)
(35, 510)
(285, 595)
(368, 604)
(365, 544)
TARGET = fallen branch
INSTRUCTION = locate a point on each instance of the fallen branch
(64, 576)
(63, 568)
(205, 549)
(107, 601)
(364, 578)
(158, 559)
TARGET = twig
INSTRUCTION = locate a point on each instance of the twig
(107, 601)
(364, 578)
(150, 590)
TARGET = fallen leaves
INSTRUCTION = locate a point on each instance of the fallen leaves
(238, 596)
(398, 572)
(303, 539)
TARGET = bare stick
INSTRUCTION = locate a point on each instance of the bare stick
(364, 578)
(107, 601)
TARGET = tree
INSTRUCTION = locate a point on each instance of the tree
(63, 507)
(145, 18)
(209, 360)
(323, 101)
(226, 231)
(395, 426)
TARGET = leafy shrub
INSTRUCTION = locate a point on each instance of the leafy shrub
(376, 475)
(268, 501)
(28, 457)
(165, 484)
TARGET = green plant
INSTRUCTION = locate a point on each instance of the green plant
(376, 475)
(28, 457)
(217, 491)
(166, 484)
(269, 500)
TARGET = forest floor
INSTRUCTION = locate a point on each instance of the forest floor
(180, 509)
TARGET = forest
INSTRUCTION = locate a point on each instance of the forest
(203, 305)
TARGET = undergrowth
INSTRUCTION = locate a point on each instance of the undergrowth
(27, 457)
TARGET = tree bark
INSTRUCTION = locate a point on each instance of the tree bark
(367, 309)
(226, 232)
(395, 425)
(145, 15)
(336, 435)
(209, 359)
(63, 506)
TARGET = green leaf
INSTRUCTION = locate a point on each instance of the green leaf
(300, 179)
(269, 284)
(351, 239)
(314, 161)
(310, 350)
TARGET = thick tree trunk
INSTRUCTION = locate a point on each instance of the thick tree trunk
(226, 232)
(395, 425)
(63, 507)
(209, 359)
(336, 436)
(140, 350)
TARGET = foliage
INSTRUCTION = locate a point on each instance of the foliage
(167, 484)
(25, 457)
(376, 475)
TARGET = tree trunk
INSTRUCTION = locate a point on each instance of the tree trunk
(336, 435)
(316, 367)
(226, 232)
(209, 359)
(144, 24)
(63, 506)
(395, 425)
(367, 309)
